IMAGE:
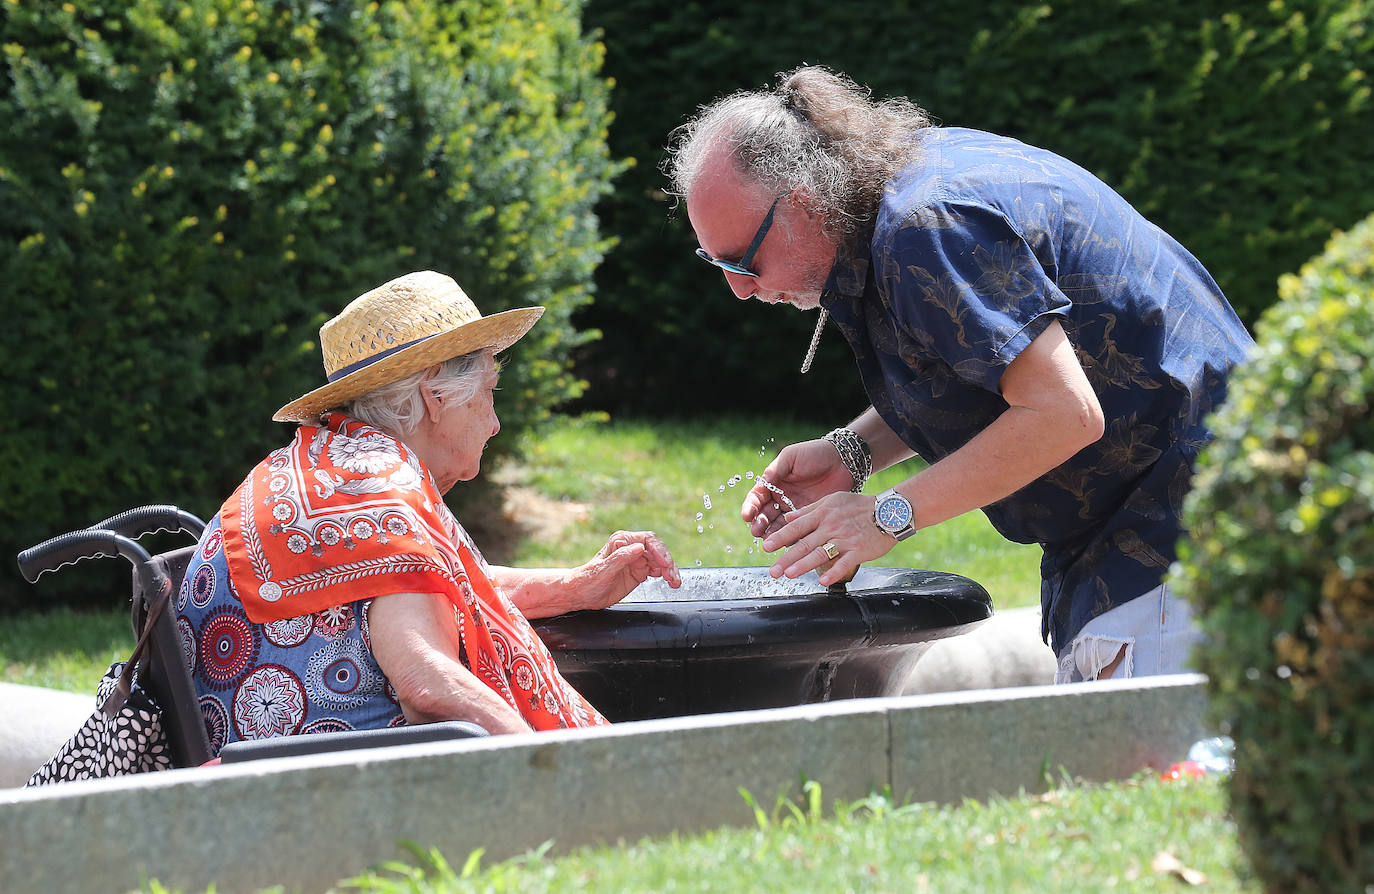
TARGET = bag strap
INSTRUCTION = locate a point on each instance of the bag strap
(124, 685)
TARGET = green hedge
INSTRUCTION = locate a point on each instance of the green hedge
(1241, 128)
(1281, 569)
(191, 188)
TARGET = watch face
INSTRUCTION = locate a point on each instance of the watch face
(894, 513)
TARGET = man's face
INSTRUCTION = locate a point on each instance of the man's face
(793, 259)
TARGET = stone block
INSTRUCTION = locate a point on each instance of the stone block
(1004, 651)
(951, 746)
(37, 722)
(308, 822)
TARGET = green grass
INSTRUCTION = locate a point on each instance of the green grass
(630, 474)
(1123, 836)
(62, 649)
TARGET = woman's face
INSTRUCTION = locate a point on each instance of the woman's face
(460, 431)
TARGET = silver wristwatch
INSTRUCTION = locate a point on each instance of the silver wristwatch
(893, 514)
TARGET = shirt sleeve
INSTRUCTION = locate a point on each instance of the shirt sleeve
(964, 283)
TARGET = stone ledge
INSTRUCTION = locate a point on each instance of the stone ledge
(37, 722)
(307, 822)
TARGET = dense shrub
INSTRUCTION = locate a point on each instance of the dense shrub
(1241, 128)
(1281, 568)
(191, 188)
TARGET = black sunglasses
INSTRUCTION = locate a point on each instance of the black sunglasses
(741, 266)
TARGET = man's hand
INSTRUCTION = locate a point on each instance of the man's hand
(843, 520)
(805, 472)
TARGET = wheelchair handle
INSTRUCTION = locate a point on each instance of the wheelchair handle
(151, 519)
(72, 547)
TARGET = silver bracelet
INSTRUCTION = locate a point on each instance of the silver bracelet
(854, 454)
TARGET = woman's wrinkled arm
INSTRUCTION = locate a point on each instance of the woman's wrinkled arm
(415, 641)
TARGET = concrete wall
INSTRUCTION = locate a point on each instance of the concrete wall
(37, 722)
(308, 822)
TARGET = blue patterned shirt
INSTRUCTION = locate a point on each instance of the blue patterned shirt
(310, 674)
(978, 245)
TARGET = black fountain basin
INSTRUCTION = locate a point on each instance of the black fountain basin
(733, 639)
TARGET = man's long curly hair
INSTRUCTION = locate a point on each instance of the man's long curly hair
(818, 131)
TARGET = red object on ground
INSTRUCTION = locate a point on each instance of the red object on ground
(1183, 770)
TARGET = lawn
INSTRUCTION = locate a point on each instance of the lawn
(1142, 835)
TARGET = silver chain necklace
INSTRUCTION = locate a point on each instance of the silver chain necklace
(815, 341)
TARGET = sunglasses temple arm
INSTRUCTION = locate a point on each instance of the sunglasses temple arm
(758, 237)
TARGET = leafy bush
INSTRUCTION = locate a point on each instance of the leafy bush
(1240, 128)
(1281, 567)
(191, 188)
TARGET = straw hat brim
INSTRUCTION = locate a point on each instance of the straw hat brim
(495, 333)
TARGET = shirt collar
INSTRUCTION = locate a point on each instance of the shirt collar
(848, 276)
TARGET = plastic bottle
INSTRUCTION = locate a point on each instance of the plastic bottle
(1212, 756)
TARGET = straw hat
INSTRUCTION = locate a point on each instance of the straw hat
(400, 328)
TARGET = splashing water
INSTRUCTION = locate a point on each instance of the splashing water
(727, 584)
(791, 507)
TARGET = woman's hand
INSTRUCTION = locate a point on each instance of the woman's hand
(844, 520)
(627, 560)
(805, 472)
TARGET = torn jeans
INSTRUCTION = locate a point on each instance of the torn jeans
(1153, 633)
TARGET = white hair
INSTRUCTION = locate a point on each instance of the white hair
(398, 407)
(818, 131)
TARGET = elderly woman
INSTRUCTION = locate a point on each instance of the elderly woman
(334, 590)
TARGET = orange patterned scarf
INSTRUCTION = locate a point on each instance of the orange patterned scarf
(347, 512)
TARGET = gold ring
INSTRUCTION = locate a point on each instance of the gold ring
(832, 552)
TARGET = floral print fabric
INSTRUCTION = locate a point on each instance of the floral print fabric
(978, 245)
(306, 674)
(273, 608)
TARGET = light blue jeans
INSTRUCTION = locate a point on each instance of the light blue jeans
(1155, 630)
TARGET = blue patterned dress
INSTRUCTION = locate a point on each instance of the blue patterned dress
(978, 245)
(308, 674)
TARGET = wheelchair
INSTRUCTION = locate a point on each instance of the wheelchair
(162, 670)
